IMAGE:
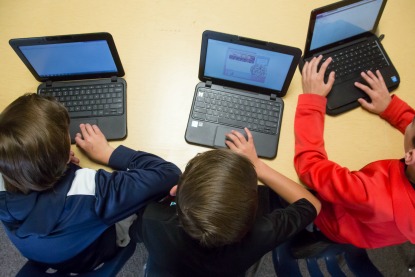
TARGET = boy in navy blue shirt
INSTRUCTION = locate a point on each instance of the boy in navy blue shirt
(57, 213)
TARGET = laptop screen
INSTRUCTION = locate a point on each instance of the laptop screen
(344, 22)
(246, 65)
(69, 57)
(73, 58)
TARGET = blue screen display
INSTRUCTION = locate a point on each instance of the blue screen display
(246, 65)
(345, 22)
(74, 58)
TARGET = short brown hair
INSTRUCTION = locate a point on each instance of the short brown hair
(217, 197)
(34, 143)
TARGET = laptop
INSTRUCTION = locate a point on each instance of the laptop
(242, 82)
(345, 31)
(83, 72)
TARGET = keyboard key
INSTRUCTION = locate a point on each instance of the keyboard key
(212, 118)
(92, 100)
(236, 110)
(232, 122)
(349, 63)
(199, 110)
(81, 113)
(197, 115)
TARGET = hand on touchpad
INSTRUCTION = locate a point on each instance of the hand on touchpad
(74, 126)
(220, 136)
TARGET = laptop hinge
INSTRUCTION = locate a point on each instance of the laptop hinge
(114, 79)
(49, 83)
(208, 84)
(273, 96)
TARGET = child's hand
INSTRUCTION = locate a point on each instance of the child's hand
(72, 158)
(173, 191)
(313, 79)
(378, 92)
(238, 144)
(94, 143)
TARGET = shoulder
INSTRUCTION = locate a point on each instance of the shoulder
(83, 183)
(300, 208)
(381, 167)
(296, 215)
(160, 211)
(277, 226)
(383, 174)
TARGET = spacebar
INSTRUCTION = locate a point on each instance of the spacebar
(346, 77)
(232, 122)
(80, 114)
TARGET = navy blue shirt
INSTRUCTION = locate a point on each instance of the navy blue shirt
(55, 226)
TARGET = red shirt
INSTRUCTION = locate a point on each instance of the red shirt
(369, 208)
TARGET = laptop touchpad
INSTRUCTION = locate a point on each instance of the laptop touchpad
(74, 126)
(220, 136)
(338, 97)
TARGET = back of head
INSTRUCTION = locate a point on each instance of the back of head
(34, 143)
(217, 197)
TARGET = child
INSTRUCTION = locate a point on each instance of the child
(57, 213)
(374, 206)
(211, 228)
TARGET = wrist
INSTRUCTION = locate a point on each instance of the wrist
(107, 155)
(260, 168)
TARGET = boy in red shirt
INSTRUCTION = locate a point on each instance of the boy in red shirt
(371, 207)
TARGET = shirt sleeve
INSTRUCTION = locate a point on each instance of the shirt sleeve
(289, 221)
(140, 178)
(399, 114)
(333, 182)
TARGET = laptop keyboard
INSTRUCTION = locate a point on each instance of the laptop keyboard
(350, 62)
(89, 100)
(237, 111)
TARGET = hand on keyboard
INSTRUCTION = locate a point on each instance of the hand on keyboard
(377, 91)
(313, 78)
(93, 142)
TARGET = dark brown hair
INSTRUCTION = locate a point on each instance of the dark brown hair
(217, 197)
(34, 143)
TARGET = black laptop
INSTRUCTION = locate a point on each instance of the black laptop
(242, 82)
(82, 71)
(345, 31)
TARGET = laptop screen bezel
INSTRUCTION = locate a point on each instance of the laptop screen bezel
(293, 51)
(334, 6)
(34, 41)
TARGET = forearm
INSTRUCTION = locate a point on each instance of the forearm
(289, 190)
(122, 193)
(140, 178)
(399, 114)
(309, 133)
(330, 180)
(124, 158)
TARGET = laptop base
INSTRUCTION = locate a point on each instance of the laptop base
(211, 135)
